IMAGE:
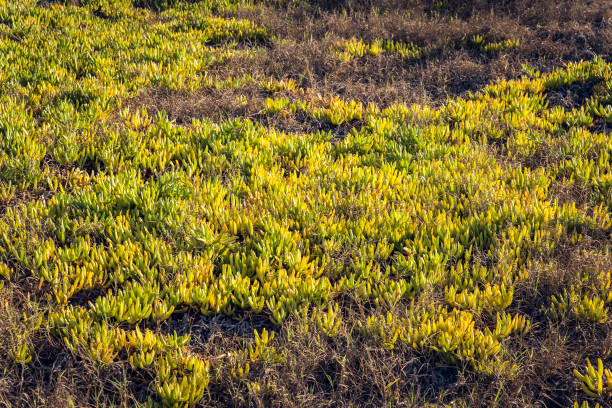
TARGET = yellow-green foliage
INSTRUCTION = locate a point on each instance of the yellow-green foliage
(357, 48)
(587, 300)
(595, 382)
(334, 111)
(154, 218)
(491, 46)
(451, 334)
(585, 404)
(21, 326)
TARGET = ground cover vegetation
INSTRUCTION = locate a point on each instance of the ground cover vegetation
(292, 203)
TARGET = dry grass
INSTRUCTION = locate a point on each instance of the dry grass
(550, 34)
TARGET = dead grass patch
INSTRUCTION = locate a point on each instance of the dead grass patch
(246, 102)
(571, 96)
(550, 34)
